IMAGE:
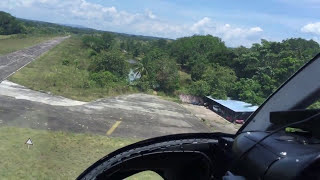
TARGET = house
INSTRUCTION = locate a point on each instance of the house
(230, 109)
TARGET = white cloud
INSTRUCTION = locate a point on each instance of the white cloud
(313, 28)
(200, 24)
(150, 14)
(233, 36)
(256, 29)
(97, 16)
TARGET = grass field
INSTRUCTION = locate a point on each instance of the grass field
(63, 71)
(11, 43)
(54, 155)
(6, 36)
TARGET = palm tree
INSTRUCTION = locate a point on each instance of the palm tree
(140, 69)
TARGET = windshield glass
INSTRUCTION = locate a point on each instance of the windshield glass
(82, 78)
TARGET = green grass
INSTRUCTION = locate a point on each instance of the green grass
(185, 82)
(185, 78)
(5, 36)
(51, 73)
(11, 43)
(54, 155)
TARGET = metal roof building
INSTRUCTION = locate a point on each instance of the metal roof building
(230, 109)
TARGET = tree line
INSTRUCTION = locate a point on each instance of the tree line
(12, 25)
(248, 74)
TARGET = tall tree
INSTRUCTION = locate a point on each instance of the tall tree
(220, 79)
(160, 71)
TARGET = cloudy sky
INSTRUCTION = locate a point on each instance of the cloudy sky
(237, 22)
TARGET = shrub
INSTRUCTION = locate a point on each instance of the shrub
(65, 62)
(103, 79)
(112, 61)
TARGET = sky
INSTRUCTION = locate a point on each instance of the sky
(236, 22)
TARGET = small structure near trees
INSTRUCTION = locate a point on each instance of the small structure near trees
(231, 110)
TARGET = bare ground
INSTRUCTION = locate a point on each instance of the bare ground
(213, 120)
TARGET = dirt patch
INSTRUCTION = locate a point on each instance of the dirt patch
(213, 120)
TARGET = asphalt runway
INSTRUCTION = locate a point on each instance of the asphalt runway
(135, 115)
(12, 62)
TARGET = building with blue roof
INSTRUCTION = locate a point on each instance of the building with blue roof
(230, 109)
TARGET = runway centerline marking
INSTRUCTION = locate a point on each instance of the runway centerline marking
(113, 127)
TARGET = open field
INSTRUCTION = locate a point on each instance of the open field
(54, 155)
(11, 43)
(50, 73)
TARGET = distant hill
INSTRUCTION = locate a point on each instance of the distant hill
(48, 27)
(9, 24)
(75, 26)
(41, 27)
(143, 37)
